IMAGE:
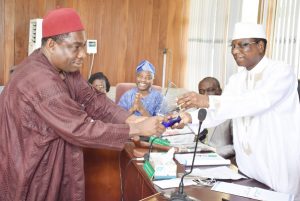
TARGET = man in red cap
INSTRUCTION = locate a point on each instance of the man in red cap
(48, 112)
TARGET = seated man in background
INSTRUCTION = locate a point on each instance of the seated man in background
(219, 137)
(100, 82)
(143, 100)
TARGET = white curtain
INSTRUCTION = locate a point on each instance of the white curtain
(283, 19)
(211, 25)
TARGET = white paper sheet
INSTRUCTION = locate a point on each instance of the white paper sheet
(172, 183)
(251, 192)
(180, 139)
(221, 172)
(174, 132)
(201, 159)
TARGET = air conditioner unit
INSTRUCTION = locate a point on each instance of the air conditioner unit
(35, 35)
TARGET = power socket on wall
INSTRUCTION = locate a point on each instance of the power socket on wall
(91, 46)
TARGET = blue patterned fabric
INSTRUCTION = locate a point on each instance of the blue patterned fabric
(151, 103)
(146, 66)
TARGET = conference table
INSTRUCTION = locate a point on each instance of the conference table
(137, 185)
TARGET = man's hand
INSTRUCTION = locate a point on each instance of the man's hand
(193, 99)
(149, 126)
(185, 119)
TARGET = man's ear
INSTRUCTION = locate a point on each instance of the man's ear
(261, 46)
(219, 91)
(50, 45)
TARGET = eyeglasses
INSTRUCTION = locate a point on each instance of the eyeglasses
(244, 46)
(208, 91)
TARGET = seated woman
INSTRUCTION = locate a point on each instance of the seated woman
(100, 82)
(143, 100)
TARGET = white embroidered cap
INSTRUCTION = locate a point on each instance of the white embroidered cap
(248, 30)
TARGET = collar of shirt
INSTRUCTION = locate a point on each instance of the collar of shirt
(254, 75)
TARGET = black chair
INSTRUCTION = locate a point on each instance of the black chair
(299, 89)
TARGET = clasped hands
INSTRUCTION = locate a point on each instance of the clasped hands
(138, 106)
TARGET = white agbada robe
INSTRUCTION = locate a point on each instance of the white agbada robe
(264, 106)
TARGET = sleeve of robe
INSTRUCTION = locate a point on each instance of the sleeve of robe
(81, 116)
(230, 104)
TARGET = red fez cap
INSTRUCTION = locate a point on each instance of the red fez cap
(60, 21)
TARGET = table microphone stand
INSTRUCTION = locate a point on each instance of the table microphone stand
(180, 195)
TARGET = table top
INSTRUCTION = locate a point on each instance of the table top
(202, 193)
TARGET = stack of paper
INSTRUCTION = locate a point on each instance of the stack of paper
(173, 132)
(201, 159)
(171, 183)
(188, 148)
(219, 172)
(251, 192)
(180, 139)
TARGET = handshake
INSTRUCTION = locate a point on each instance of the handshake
(170, 122)
(156, 125)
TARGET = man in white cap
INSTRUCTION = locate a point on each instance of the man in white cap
(143, 100)
(263, 103)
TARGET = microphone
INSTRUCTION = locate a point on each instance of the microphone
(180, 195)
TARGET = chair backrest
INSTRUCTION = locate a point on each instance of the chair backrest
(121, 88)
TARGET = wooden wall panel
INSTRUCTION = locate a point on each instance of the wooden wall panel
(2, 35)
(177, 37)
(9, 40)
(127, 32)
(22, 30)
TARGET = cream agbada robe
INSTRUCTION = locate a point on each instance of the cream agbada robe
(263, 104)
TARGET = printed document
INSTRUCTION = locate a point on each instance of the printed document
(251, 192)
(201, 159)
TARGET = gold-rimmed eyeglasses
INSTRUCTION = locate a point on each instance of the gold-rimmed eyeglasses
(242, 46)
